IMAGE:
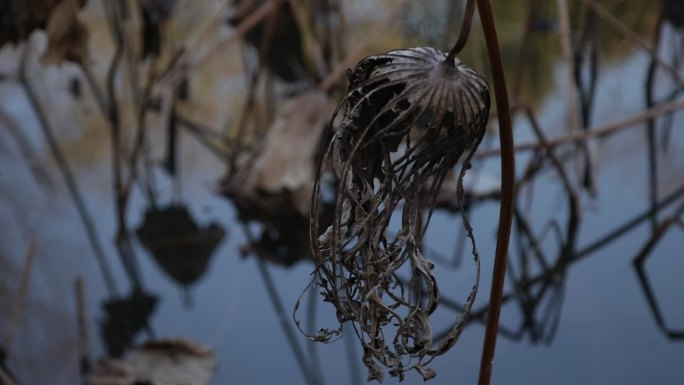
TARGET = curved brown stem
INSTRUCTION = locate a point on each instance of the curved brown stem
(465, 31)
(507, 190)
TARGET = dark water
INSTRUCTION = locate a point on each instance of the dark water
(601, 327)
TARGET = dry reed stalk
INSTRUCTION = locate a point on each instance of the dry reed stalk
(507, 191)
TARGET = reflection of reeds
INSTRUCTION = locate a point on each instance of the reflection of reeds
(531, 291)
(561, 265)
(309, 373)
(18, 302)
(15, 316)
(667, 6)
(48, 131)
(672, 223)
(24, 145)
(82, 326)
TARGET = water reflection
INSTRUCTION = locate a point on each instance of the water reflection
(669, 225)
(124, 319)
(178, 244)
(555, 228)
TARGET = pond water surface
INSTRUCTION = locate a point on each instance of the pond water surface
(600, 328)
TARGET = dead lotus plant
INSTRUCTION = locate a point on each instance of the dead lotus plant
(408, 117)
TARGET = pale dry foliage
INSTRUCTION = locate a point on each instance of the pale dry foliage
(407, 119)
(173, 361)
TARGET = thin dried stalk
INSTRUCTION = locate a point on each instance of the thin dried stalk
(507, 191)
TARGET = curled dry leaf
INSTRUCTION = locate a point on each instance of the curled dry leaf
(408, 117)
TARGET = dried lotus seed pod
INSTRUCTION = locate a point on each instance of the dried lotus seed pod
(408, 117)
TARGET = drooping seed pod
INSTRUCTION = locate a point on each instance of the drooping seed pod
(408, 117)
